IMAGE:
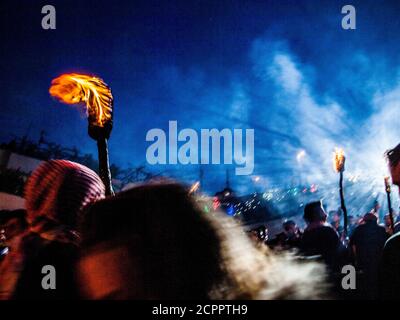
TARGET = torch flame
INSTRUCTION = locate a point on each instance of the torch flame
(75, 88)
(338, 160)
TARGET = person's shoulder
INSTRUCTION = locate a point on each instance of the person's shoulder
(329, 229)
(333, 233)
(360, 228)
(393, 241)
(380, 227)
(382, 231)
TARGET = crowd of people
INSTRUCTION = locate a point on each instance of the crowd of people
(154, 242)
(324, 240)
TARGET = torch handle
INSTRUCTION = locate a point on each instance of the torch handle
(342, 205)
(390, 210)
(104, 166)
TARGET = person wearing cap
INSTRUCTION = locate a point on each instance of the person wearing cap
(55, 195)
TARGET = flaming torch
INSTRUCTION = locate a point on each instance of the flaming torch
(388, 190)
(96, 95)
(338, 164)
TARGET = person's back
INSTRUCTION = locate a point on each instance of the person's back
(368, 240)
(390, 269)
(321, 240)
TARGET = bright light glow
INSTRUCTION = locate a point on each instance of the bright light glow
(73, 88)
(338, 160)
(300, 155)
(195, 186)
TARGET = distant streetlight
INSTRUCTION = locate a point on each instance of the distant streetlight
(300, 155)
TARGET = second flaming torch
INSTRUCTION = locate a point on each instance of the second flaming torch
(338, 163)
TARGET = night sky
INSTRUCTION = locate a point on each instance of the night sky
(284, 68)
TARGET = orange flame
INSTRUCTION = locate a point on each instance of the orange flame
(338, 160)
(73, 88)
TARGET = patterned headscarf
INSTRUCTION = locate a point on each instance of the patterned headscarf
(57, 191)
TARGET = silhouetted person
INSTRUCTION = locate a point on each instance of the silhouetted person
(390, 267)
(154, 242)
(289, 238)
(320, 238)
(367, 243)
(55, 194)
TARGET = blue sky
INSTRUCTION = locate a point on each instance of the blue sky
(285, 68)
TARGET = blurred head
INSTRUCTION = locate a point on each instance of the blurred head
(352, 220)
(58, 189)
(290, 227)
(370, 217)
(153, 242)
(149, 242)
(335, 216)
(314, 212)
(393, 157)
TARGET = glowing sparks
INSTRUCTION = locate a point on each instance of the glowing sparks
(194, 187)
(76, 88)
(338, 160)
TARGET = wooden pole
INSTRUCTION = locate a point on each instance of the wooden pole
(104, 165)
(342, 205)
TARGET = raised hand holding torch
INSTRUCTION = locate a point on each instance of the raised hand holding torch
(76, 88)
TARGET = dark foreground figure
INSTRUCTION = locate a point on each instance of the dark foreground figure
(153, 242)
(55, 194)
(367, 242)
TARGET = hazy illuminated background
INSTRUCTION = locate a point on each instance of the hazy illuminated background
(284, 68)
